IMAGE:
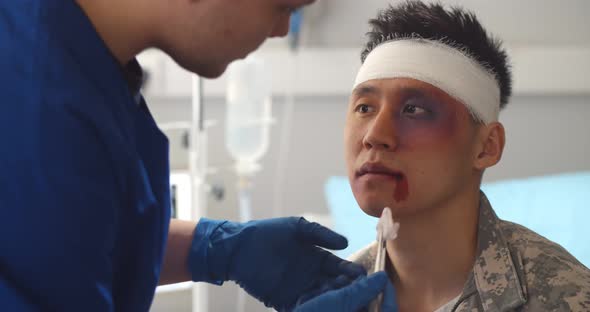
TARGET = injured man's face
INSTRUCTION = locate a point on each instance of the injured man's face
(408, 146)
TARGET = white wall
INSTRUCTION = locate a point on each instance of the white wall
(545, 135)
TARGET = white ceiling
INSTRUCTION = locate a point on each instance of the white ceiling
(342, 23)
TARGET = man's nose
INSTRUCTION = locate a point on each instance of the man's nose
(382, 133)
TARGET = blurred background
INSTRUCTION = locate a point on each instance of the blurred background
(542, 181)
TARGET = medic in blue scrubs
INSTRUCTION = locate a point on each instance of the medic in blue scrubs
(84, 194)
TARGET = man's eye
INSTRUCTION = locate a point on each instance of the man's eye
(414, 110)
(363, 109)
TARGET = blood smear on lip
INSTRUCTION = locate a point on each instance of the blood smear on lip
(401, 189)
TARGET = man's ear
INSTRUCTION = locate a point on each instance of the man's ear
(490, 146)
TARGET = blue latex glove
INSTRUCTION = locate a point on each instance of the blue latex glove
(354, 297)
(276, 261)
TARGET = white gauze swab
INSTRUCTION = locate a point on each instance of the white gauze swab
(386, 230)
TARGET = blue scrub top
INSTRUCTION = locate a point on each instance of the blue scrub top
(84, 173)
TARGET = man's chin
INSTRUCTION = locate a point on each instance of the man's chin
(373, 211)
(211, 72)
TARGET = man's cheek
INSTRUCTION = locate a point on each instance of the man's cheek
(418, 139)
(430, 136)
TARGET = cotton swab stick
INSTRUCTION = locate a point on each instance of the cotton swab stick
(386, 230)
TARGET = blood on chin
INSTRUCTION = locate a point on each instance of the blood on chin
(374, 207)
(401, 191)
(398, 182)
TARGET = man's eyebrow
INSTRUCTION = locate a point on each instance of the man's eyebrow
(414, 92)
(364, 91)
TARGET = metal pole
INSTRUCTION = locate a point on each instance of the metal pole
(197, 167)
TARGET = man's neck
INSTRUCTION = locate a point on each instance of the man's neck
(123, 26)
(434, 253)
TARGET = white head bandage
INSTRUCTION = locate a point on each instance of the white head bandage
(440, 65)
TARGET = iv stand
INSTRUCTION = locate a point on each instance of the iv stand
(198, 169)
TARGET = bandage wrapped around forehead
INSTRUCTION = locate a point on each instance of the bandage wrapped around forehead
(440, 65)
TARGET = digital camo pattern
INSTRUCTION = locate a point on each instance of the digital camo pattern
(515, 270)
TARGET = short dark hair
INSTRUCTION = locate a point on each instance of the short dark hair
(455, 27)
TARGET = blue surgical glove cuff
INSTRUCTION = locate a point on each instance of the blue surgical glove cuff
(203, 264)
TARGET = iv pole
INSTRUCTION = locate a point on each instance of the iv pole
(197, 168)
(198, 160)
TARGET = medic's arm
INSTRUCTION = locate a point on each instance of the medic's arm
(175, 266)
(57, 214)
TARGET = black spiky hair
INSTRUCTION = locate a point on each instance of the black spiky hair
(454, 26)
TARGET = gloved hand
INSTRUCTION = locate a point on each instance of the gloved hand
(354, 297)
(276, 261)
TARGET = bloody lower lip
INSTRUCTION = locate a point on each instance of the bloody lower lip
(401, 191)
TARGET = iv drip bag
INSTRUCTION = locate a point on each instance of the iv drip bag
(248, 113)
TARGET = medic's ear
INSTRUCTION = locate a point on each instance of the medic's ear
(490, 146)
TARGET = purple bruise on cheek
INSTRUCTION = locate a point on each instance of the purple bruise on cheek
(439, 121)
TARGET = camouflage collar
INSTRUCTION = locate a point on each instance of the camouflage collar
(498, 271)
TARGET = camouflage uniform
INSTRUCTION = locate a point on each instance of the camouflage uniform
(515, 270)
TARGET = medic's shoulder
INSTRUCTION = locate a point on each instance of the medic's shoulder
(554, 279)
